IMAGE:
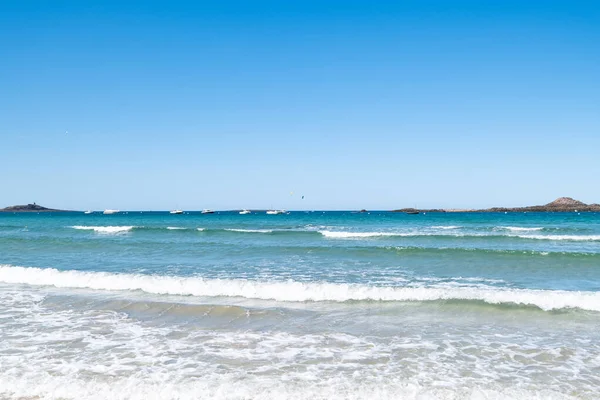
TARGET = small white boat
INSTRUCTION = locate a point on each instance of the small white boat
(244, 212)
(206, 211)
(88, 212)
(110, 211)
(176, 212)
(275, 212)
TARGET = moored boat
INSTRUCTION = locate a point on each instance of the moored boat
(275, 212)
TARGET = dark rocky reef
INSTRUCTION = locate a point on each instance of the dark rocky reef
(29, 208)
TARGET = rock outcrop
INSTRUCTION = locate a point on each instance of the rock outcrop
(566, 202)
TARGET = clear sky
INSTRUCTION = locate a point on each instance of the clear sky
(237, 104)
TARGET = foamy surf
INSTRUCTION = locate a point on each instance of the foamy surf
(104, 229)
(291, 291)
(227, 386)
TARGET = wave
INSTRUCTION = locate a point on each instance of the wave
(472, 250)
(249, 230)
(10, 227)
(118, 229)
(577, 238)
(447, 227)
(344, 235)
(353, 235)
(105, 229)
(290, 291)
(520, 229)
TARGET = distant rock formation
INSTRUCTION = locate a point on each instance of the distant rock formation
(562, 204)
(566, 202)
(29, 208)
(411, 210)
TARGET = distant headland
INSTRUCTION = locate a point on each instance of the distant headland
(29, 208)
(562, 204)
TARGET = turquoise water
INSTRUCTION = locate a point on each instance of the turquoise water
(301, 305)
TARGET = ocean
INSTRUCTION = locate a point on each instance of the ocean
(304, 305)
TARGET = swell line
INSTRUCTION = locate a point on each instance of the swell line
(444, 233)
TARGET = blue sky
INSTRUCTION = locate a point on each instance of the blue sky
(379, 105)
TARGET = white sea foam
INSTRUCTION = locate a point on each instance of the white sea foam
(447, 227)
(250, 230)
(294, 291)
(521, 228)
(104, 229)
(220, 386)
(200, 229)
(175, 228)
(58, 353)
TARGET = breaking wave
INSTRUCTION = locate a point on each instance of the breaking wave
(291, 291)
(513, 232)
(105, 229)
